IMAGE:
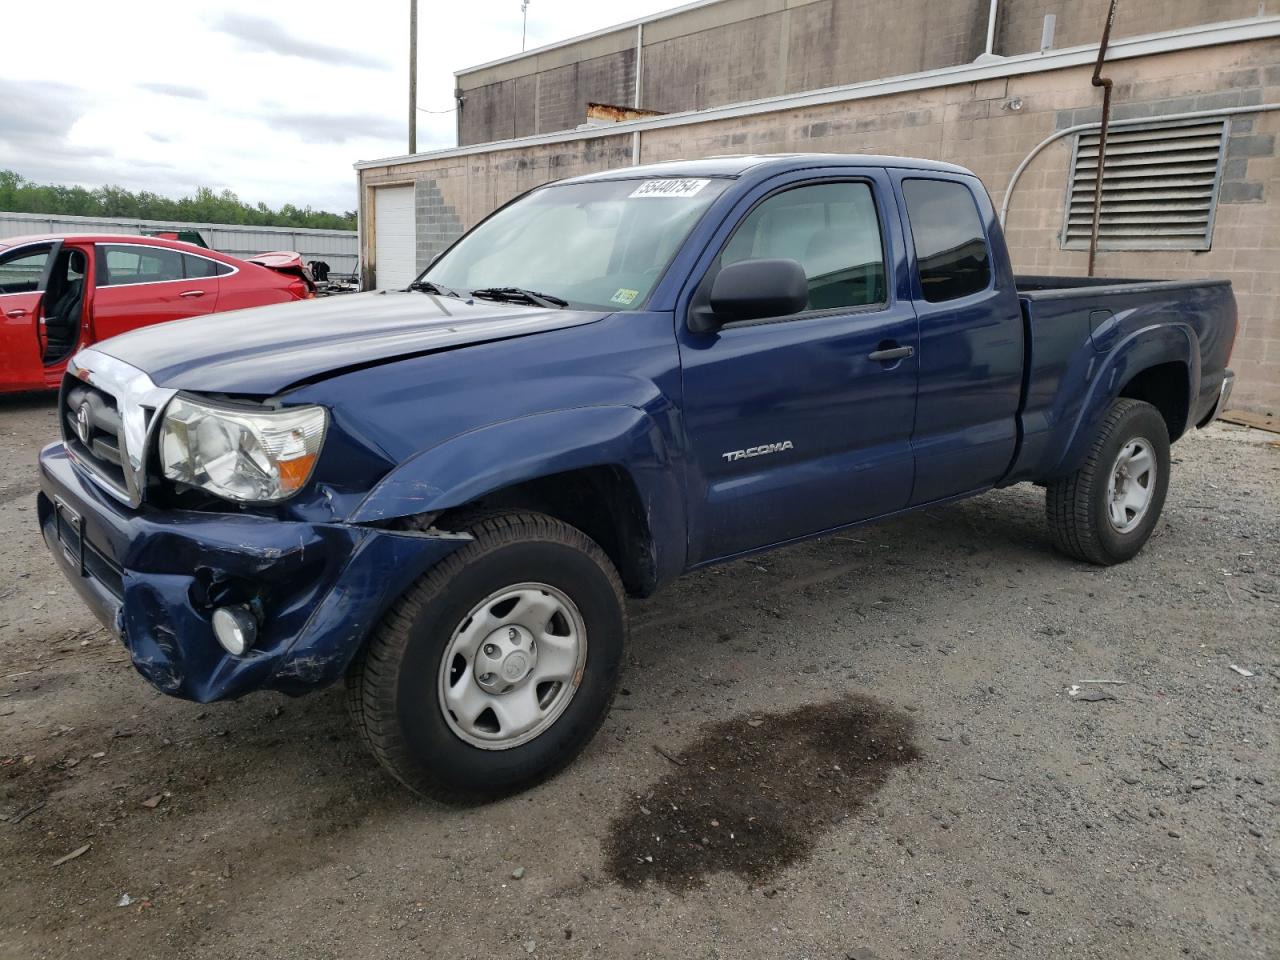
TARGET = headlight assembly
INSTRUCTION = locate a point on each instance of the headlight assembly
(258, 455)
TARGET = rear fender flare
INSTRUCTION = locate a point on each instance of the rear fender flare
(1137, 352)
(483, 461)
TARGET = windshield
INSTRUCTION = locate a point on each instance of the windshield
(600, 245)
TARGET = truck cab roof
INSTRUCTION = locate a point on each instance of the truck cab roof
(736, 166)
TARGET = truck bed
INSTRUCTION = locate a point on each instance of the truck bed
(1044, 287)
(1062, 314)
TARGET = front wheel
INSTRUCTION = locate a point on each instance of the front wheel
(1105, 512)
(496, 668)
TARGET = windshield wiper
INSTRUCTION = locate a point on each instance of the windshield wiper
(426, 286)
(518, 295)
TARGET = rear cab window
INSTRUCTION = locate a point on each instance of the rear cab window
(952, 257)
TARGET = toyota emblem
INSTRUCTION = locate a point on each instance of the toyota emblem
(84, 426)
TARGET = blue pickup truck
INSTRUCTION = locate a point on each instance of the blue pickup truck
(442, 495)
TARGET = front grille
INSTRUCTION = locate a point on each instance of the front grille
(108, 416)
(91, 429)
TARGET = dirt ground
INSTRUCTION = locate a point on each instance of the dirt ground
(863, 746)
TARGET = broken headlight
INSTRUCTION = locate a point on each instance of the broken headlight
(241, 455)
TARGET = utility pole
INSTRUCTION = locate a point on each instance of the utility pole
(413, 76)
(524, 23)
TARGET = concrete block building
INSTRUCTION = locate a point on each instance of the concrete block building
(1001, 86)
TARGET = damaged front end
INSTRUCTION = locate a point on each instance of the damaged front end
(314, 590)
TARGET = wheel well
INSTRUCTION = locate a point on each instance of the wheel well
(602, 502)
(1164, 386)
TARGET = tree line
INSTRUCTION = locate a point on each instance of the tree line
(20, 195)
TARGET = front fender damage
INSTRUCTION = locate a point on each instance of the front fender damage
(318, 598)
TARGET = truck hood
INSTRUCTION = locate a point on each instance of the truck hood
(264, 350)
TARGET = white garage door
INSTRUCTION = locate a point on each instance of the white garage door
(395, 237)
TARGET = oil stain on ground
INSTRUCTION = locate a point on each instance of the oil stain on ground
(754, 795)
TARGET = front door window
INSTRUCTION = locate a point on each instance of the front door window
(21, 272)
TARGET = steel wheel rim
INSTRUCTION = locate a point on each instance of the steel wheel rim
(1133, 485)
(512, 666)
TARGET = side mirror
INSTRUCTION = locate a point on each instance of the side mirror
(752, 289)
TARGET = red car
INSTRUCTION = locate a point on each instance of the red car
(61, 293)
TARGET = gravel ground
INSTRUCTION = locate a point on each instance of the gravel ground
(863, 746)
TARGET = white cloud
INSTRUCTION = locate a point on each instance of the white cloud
(175, 90)
(274, 103)
(261, 35)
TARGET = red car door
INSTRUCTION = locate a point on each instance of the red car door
(138, 284)
(23, 274)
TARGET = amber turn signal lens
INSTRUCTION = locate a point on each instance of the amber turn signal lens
(294, 473)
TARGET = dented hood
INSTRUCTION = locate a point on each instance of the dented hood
(264, 350)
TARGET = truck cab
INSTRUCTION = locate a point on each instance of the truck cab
(441, 496)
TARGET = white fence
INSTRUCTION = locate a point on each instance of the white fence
(338, 248)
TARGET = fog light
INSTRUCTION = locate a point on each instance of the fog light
(235, 629)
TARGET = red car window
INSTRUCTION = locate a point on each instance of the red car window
(21, 274)
(199, 266)
(120, 264)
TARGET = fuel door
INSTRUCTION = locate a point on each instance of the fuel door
(1103, 329)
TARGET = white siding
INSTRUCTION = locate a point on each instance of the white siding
(395, 237)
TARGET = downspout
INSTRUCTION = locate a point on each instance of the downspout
(1105, 84)
(991, 27)
(635, 99)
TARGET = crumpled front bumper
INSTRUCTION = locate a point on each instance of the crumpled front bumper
(155, 577)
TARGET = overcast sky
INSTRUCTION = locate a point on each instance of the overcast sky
(273, 101)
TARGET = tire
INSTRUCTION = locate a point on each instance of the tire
(1089, 519)
(401, 693)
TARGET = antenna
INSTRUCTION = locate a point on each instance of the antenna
(524, 24)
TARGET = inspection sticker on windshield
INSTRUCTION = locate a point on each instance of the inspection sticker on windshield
(624, 296)
(684, 187)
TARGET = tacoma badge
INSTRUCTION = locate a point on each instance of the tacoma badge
(759, 451)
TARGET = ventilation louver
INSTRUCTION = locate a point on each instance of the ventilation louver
(1158, 190)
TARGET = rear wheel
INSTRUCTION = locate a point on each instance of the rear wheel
(1105, 512)
(497, 667)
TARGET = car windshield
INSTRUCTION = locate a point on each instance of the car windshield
(598, 245)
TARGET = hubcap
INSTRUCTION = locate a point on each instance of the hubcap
(505, 659)
(1133, 484)
(512, 666)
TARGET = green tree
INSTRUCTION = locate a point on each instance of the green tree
(20, 195)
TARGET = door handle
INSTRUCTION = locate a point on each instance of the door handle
(17, 314)
(189, 294)
(892, 353)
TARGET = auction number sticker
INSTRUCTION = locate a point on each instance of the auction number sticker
(683, 187)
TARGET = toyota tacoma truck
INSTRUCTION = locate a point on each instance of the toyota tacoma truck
(442, 495)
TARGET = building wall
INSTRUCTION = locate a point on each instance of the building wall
(975, 124)
(739, 50)
(1019, 24)
(554, 98)
(804, 47)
